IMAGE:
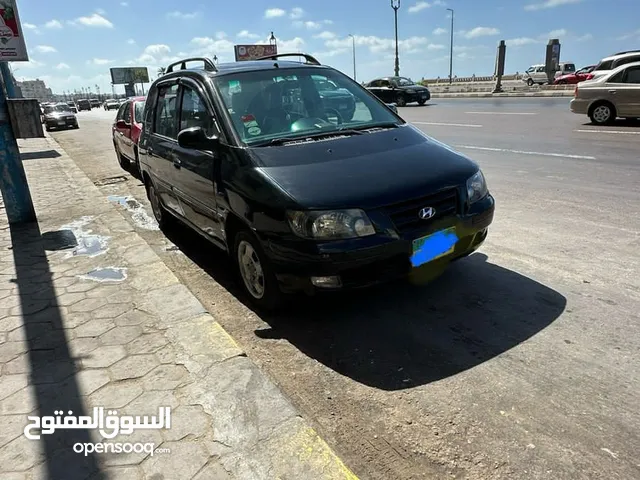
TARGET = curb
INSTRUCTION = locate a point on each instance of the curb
(496, 95)
(294, 449)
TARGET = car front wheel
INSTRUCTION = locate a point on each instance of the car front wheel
(530, 82)
(255, 272)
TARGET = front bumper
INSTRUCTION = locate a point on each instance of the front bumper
(309, 267)
(419, 96)
(61, 122)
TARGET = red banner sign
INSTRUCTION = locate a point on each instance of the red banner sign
(253, 52)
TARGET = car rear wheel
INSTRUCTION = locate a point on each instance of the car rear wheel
(602, 113)
(254, 269)
(159, 212)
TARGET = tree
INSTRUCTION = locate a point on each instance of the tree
(161, 71)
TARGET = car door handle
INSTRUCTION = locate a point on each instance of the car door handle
(177, 163)
(613, 92)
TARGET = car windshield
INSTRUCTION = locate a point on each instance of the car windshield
(56, 108)
(606, 65)
(138, 111)
(404, 82)
(292, 103)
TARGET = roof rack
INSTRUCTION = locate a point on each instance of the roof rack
(208, 64)
(624, 53)
(309, 58)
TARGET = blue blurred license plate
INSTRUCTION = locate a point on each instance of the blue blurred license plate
(429, 248)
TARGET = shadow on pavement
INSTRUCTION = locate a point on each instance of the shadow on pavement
(40, 155)
(52, 369)
(618, 123)
(400, 335)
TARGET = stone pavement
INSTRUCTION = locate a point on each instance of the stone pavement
(90, 317)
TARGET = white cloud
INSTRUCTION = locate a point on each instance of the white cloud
(62, 66)
(182, 15)
(131, 41)
(93, 20)
(440, 31)
(124, 4)
(481, 32)
(627, 36)
(31, 27)
(247, 34)
(549, 4)
(555, 33)
(379, 45)
(45, 49)
(520, 41)
(296, 13)
(99, 61)
(309, 25)
(419, 6)
(326, 35)
(157, 49)
(274, 13)
(32, 64)
(54, 24)
(585, 38)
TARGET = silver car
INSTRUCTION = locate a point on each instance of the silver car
(614, 95)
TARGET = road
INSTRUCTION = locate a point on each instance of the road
(521, 361)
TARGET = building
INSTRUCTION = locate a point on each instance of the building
(35, 89)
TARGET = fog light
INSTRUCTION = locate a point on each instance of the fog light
(326, 282)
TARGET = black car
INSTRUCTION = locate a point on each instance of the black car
(302, 198)
(399, 90)
(59, 116)
(83, 104)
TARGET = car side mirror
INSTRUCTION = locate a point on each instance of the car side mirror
(393, 107)
(122, 124)
(196, 138)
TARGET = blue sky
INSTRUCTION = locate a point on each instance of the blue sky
(72, 43)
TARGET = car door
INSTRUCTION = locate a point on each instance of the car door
(540, 75)
(194, 185)
(118, 133)
(624, 91)
(374, 87)
(127, 144)
(387, 93)
(160, 149)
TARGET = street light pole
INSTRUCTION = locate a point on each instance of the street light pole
(354, 56)
(395, 4)
(451, 50)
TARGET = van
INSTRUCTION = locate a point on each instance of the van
(565, 68)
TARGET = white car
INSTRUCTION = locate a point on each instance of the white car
(608, 64)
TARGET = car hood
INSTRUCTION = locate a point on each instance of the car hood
(365, 171)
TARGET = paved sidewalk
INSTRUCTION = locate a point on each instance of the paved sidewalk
(90, 317)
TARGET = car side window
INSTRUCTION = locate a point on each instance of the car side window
(166, 115)
(530, 69)
(617, 78)
(624, 61)
(540, 69)
(633, 75)
(384, 83)
(120, 114)
(193, 112)
(127, 112)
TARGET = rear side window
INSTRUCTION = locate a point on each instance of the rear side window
(166, 117)
(120, 114)
(633, 75)
(625, 60)
(127, 112)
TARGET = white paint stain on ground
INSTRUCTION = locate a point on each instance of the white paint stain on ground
(613, 454)
(88, 244)
(138, 213)
(106, 274)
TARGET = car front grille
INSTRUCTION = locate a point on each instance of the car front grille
(405, 215)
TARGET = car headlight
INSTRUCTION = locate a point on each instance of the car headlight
(476, 187)
(331, 224)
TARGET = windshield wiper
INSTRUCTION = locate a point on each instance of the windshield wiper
(310, 136)
(358, 128)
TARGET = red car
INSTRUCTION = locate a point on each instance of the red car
(126, 131)
(576, 77)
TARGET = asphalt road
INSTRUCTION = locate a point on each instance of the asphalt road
(521, 361)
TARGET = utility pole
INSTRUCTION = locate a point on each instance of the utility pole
(354, 56)
(13, 179)
(395, 4)
(451, 50)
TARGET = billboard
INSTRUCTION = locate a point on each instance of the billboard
(12, 46)
(252, 52)
(124, 75)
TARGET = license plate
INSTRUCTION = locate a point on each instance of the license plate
(434, 246)
(61, 123)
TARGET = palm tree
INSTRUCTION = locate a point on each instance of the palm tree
(161, 71)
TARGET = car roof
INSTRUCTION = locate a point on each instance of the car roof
(621, 55)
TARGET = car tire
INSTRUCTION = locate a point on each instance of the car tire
(602, 113)
(421, 102)
(401, 101)
(256, 275)
(530, 82)
(562, 82)
(47, 128)
(160, 213)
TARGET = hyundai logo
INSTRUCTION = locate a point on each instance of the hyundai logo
(426, 213)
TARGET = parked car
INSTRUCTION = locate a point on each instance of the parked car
(301, 198)
(59, 116)
(607, 64)
(565, 68)
(616, 94)
(83, 104)
(537, 74)
(72, 106)
(126, 132)
(577, 77)
(111, 104)
(399, 90)
(95, 103)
